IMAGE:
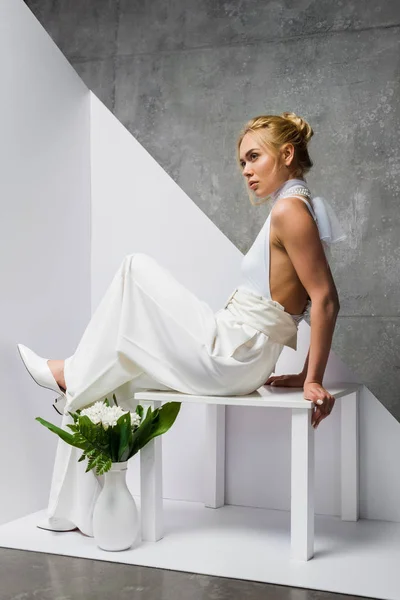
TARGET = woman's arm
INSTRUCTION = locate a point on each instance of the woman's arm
(298, 233)
(323, 316)
(305, 368)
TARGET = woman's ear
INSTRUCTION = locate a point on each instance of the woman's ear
(288, 154)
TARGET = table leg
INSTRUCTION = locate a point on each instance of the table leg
(215, 456)
(302, 485)
(349, 457)
(151, 494)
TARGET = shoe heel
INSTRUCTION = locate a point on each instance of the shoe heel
(38, 368)
(59, 404)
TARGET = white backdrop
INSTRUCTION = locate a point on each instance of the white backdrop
(44, 242)
(51, 265)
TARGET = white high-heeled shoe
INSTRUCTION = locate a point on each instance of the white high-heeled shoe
(40, 372)
(56, 524)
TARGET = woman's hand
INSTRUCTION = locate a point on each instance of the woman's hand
(295, 380)
(312, 391)
(325, 402)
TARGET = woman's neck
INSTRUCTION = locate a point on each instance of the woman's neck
(285, 186)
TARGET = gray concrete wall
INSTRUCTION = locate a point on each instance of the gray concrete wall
(184, 77)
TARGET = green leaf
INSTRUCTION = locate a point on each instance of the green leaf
(101, 463)
(73, 427)
(113, 437)
(64, 435)
(126, 437)
(120, 438)
(113, 441)
(156, 423)
(94, 434)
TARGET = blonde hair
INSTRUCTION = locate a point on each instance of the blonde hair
(272, 131)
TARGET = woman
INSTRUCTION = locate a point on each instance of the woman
(287, 261)
(151, 332)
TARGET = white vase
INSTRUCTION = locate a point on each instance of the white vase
(115, 516)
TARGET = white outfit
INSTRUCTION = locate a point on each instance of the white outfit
(150, 332)
(255, 265)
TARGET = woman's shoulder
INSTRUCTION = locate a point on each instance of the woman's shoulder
(292, 205)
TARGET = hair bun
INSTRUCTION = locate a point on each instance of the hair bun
(303, 127)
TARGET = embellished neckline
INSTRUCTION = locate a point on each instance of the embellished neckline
(294, 191)
(298, 186)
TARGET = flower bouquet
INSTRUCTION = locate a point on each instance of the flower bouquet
(107, 434)
(109, 437)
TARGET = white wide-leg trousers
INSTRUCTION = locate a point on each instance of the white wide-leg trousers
(150, 332)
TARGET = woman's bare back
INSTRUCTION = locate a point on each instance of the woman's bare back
(284, 284)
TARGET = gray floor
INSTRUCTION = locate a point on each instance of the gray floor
(27, 575)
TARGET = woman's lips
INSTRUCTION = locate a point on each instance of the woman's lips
(253, 184)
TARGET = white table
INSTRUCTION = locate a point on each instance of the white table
(302, 463)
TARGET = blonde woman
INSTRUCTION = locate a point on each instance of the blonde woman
(287, 262)
(150, 332)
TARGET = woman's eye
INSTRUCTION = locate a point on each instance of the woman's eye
(251, 156)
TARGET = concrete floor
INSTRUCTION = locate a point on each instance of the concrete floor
(39, 576)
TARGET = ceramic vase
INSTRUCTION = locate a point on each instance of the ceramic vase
(115, 515)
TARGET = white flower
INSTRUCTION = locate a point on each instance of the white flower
(94, 412)
(108, 416)
(135, 419)
(111, 415)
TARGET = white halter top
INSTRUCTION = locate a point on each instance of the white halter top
(255, 266)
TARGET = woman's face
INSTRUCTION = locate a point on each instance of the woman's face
(259, 166)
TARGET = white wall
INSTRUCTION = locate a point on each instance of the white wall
(44, 242)
(157, 217)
